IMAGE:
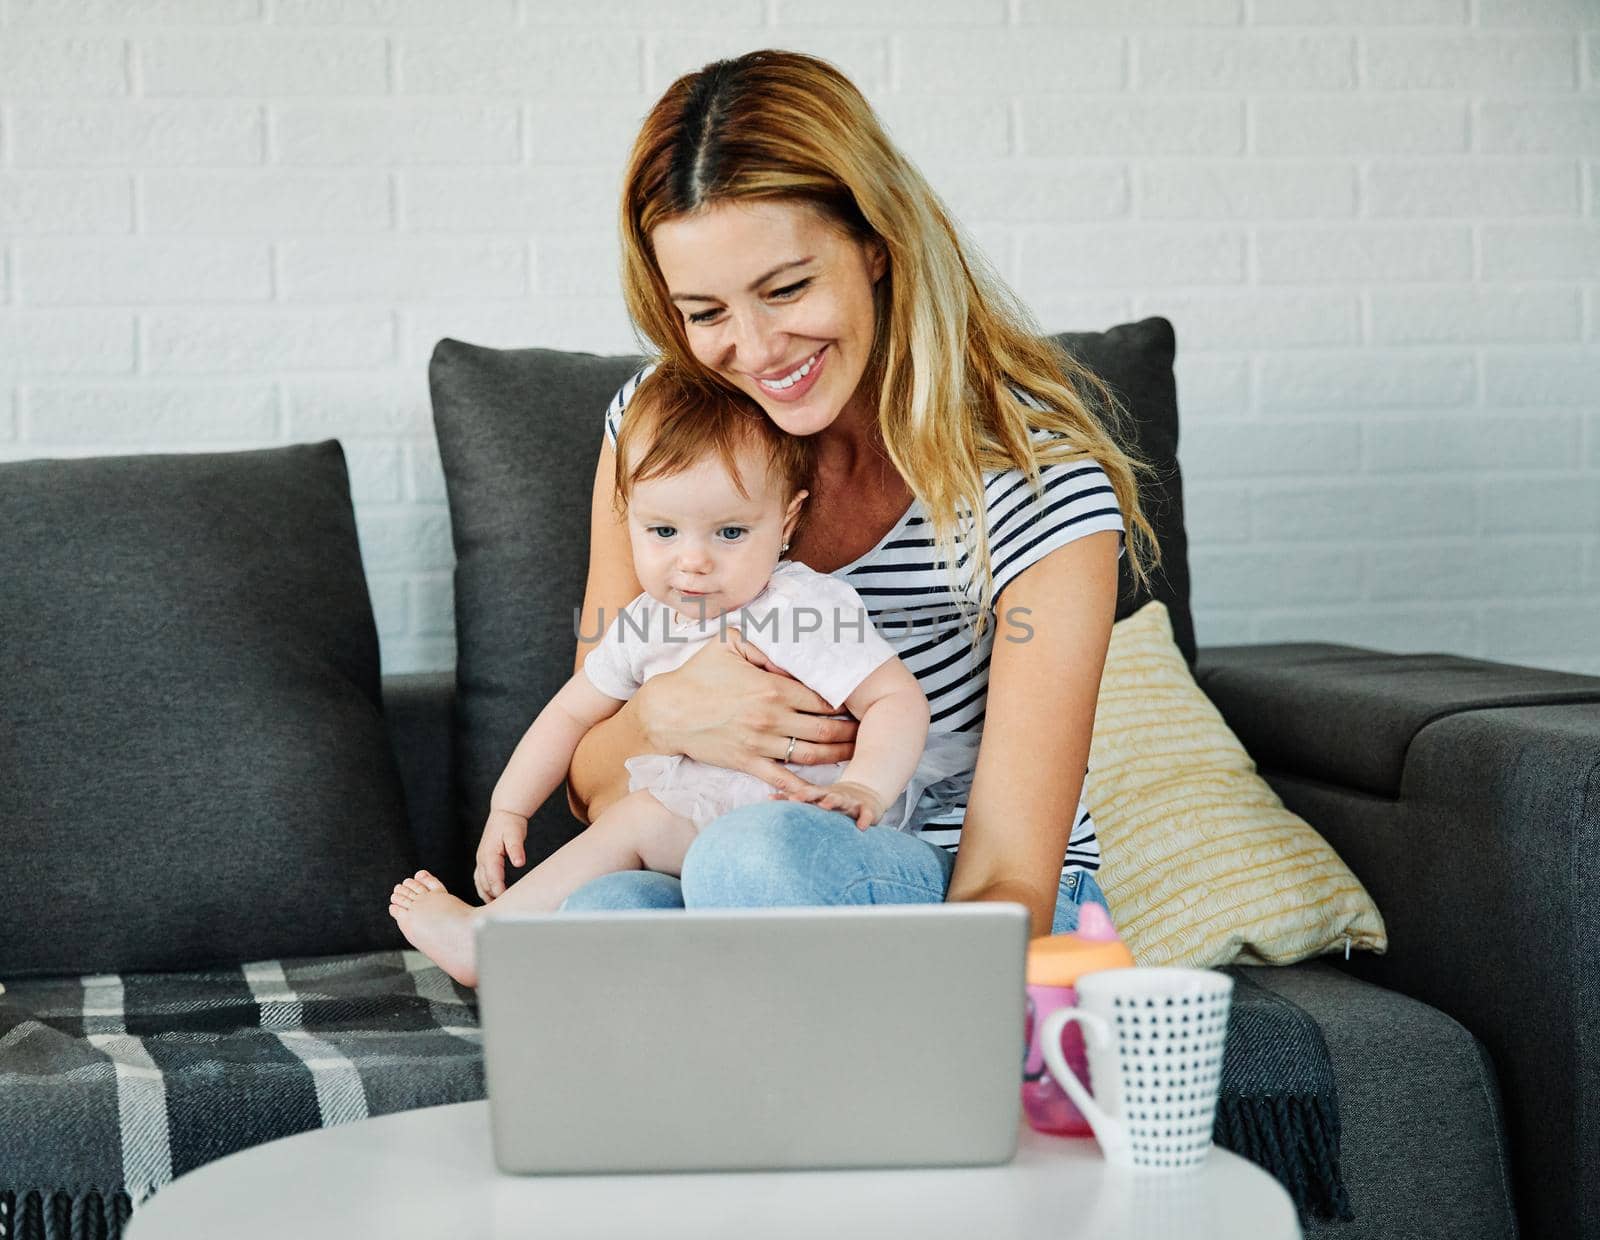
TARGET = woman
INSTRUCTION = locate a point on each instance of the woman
(776, 242)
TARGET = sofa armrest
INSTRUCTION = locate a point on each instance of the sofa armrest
(1347, 715)
(1484, 858)
(419, 711)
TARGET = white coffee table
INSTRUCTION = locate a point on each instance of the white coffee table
(431, 1173)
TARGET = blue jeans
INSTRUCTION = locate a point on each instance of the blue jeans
(788, 853)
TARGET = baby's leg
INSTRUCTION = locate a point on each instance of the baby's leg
(638, 832)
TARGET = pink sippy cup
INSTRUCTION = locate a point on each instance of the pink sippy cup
(1055, 963)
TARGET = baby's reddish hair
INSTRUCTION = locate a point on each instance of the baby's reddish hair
(676, 420)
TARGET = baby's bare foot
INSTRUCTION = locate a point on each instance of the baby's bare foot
(437, 924)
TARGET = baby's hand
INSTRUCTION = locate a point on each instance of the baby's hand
(856, 800)
(503, 836)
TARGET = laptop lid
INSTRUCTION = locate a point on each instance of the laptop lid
(731, 1039)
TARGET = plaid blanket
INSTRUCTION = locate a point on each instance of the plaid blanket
(112, 1086)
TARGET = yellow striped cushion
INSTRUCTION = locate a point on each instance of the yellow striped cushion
(1201, 862)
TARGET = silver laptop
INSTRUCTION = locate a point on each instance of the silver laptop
(753, 1039)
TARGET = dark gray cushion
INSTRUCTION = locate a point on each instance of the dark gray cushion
(193, 762)
(418, 710)
(1135, 361)
(519, 435)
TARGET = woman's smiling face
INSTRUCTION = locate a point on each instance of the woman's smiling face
(777, 299)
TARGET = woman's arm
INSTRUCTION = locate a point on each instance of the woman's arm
(597, 777)
(1037, 727)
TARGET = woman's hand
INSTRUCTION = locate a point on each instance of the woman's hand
(503, 838)
(857, 800)
(728, 706)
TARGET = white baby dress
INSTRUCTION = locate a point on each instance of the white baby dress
(813, 626)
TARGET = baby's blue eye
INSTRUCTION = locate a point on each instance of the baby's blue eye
(735, 532)
(664, 531)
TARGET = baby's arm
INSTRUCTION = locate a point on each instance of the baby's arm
(536, 769)
(894, 728)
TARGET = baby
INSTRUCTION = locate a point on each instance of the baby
(712, 491)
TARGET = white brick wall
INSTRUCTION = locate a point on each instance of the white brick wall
(1375, 224)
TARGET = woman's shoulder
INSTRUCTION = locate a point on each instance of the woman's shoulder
(1060, 471)
(1075, 495)
(619, 402)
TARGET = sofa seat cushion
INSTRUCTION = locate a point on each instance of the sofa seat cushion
(113, 1085)
(193, 761)
(1423, 1148)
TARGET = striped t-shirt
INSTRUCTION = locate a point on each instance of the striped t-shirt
(905, 585)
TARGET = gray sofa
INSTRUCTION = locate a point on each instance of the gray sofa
(172, 626)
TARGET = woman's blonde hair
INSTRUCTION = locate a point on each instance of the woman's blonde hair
(963, 377)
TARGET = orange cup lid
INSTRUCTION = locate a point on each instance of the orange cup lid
(1061, 959)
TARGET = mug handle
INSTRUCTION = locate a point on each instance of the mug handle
(1110, 1132)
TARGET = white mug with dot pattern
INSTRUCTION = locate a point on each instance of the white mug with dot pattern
(1154, 1039)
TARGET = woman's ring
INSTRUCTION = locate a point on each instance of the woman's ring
(790, 753)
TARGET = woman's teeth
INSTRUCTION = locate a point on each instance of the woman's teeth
(788, 381)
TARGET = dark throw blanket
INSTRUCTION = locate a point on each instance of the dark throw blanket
(113, 1086)
(1278, 1106)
